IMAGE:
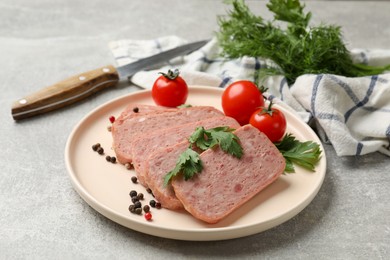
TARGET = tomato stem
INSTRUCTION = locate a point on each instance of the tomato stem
(263, 89)
(270, 105)
(171, 74)
(268, 110)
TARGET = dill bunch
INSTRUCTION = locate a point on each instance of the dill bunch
(296, 49)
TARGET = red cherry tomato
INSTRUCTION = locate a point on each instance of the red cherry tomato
(241, 99)
(170, 90)
(270, 121)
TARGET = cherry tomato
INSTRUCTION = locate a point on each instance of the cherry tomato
(170, 90)
(270, 121)
(241, 99)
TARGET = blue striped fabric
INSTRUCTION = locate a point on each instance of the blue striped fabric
(352, 113)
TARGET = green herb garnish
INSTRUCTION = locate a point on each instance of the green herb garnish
(305, 154)
(223, 136)
(189, 162)
(296, 49)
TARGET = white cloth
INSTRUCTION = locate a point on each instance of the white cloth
(351, 113)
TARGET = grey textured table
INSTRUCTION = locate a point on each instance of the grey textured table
(42, 217)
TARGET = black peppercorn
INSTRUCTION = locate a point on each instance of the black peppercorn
(146, 208)
(134, 179)
(152, 203)
(95, 147)
(133, 193)
(138, 211)
(136, 110)
(137, 204)
(108, 158)
(131, 208)
(100, 150)
(140, 196)
(134, 199)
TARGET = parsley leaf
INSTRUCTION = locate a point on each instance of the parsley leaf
(228, 141)
(305, 154)
(200, 139)
(222, 136)
(188, 164)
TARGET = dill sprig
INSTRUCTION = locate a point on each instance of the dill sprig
(296, 49)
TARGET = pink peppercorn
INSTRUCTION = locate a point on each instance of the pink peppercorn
(148, 216)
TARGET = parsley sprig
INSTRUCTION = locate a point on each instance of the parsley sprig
(305, 154)
(189, 163)
(223, 136)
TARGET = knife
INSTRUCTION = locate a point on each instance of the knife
(83, 85)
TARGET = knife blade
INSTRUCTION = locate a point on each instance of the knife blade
(80, 86)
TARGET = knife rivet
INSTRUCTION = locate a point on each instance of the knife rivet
(82, 78)
(22, 101)
(106, 70)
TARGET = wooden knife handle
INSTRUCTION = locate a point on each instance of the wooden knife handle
(65, 92)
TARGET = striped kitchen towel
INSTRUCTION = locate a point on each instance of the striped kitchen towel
(353, 114)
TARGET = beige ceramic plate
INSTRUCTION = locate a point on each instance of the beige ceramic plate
(105, 186)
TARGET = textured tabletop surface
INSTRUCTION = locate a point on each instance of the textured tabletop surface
(43, 217)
